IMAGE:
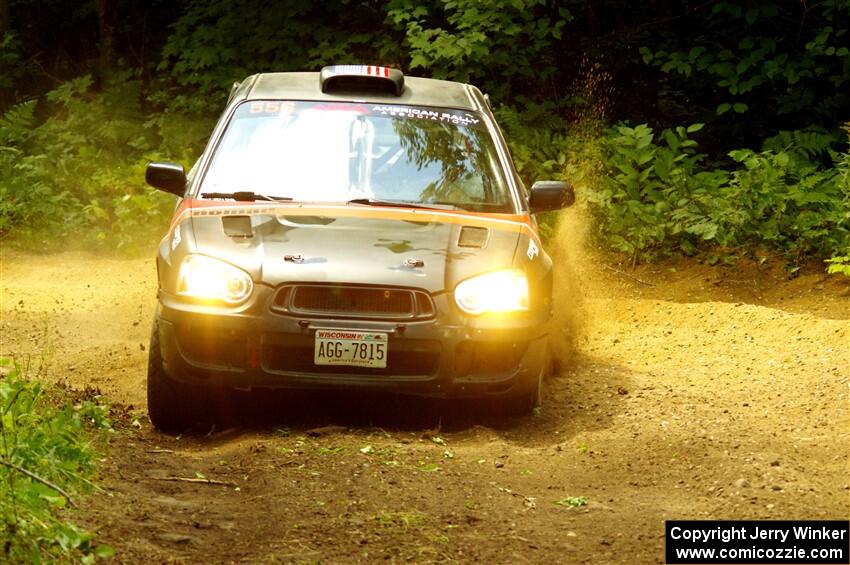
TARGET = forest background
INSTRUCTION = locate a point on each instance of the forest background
(715, 129)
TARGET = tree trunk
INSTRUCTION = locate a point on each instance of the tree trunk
(5, 23)
(106, 30)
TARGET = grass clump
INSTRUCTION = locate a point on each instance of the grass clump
(572, 501)
(47, 455)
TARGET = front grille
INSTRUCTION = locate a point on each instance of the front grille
(405, 358)
(353, 301)
(358, 300)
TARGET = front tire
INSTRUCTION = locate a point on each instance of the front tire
(172, 405)
(532, 398)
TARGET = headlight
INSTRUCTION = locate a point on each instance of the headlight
(499, 291)
(210, 279)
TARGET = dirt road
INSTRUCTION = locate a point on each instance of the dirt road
(714, 393)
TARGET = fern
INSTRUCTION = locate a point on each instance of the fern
(811, 143)
(16, 123)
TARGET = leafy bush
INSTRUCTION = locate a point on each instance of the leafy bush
(778, 68)
(81, 170)
(72, 163)
(45, 453)
(839, 265)
(659, 196)
(654, 195)
(216, 42)
(791, 203)
(476, 41)
(11, 67)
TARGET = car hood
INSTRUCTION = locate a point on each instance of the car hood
(410, 248)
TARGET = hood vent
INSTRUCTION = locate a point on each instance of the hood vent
(473, 237)
(237, 226)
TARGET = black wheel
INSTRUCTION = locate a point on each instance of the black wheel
(534, 397)
(556, 366)
(525, 403)
(172, 405)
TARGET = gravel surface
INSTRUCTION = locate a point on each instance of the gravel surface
(684, 392)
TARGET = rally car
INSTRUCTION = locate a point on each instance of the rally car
(351, 229)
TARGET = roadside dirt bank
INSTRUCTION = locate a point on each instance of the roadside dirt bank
(695, 392)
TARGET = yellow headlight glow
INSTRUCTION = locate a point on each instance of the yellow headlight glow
(499, 291)
(210, 279)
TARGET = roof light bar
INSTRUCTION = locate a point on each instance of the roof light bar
(361, 77)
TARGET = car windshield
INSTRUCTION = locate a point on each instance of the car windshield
(338, 152)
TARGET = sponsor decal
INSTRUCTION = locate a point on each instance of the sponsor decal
(175, 239)
(457, 118)
(533, 250)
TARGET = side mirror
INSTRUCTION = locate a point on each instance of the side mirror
(168, 177)
(550, 195)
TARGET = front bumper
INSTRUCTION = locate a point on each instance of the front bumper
(449, 355)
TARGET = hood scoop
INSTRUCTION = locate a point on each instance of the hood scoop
(237, 227)
(473, 237)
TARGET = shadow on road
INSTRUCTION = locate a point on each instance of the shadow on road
(304, 410)
(585, 396)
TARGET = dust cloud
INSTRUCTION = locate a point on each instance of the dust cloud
(572, 286)
(576, 261)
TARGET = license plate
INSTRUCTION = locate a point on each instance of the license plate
(358, 349)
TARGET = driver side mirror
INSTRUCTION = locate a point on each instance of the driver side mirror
(168, 177)
(550, 195)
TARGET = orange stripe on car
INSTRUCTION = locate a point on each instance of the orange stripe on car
(507, 222)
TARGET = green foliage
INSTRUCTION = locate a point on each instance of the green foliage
(539, 145)
(791, 203)
(839, 265)
(572, 501)
(476, 41)
(216, 42)
(81, 171)
(54, 445)
(71, 163)
(11, 66)
(659, 197)
(655, 197)
(787, 61)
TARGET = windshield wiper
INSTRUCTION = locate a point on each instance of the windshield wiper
(244, 196)
(399, 203)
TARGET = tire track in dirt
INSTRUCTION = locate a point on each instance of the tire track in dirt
(715, 393)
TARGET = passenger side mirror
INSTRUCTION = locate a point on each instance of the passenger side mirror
(168, 177)
(550, 195)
